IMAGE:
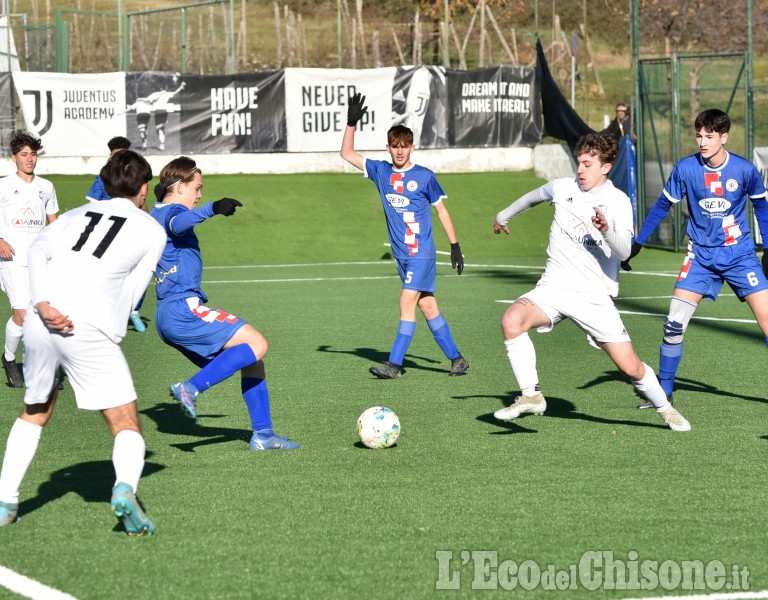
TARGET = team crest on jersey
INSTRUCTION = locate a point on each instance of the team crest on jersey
(396, 181)
(411, 186)
(713, 184)
(397, 201)
(731, 185)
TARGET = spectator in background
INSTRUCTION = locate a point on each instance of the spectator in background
(621, 124)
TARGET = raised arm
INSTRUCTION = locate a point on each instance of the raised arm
(355, 112)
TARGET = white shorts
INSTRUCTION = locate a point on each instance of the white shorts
(595, 314)
(94, 364)
(14, 281)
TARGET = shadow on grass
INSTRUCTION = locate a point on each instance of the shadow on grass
(556, 407)
(379, 356)
(169, 419)
(681, 385)
(92, 481)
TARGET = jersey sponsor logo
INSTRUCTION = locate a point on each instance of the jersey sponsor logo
(396, 181)
(412, 186)
(161, 275)
(397, 201)
(713, 184)
(731, 185)
(28, 218)
(715, 205)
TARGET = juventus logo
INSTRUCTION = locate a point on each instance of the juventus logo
(37, 95)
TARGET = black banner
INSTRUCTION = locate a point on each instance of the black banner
(235, 113)
(494, 106)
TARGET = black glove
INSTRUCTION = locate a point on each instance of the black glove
(356, 110)
(632, 253)
(765, 261)
(225, 206)
(457, 260)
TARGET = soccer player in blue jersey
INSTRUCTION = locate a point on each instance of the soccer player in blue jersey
(408, 191)
(97, 192)
(218, 342)
(717, 185)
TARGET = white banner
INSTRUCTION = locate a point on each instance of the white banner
(74, 115)
(316, 107)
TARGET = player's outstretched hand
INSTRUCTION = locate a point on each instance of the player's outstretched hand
(765, 261)
(632, 253)
(457, 259)
(226, 206)
(356, 109)
(497, 229)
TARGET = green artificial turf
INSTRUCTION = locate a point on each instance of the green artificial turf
(302, 261)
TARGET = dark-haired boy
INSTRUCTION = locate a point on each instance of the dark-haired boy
(86, 271)
(716, 185)
(26, 201)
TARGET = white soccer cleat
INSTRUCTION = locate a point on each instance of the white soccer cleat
(675, 420)
(534, 405)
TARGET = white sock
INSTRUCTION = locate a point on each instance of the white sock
(12, 339)
(650, 389)
(522, 358)
(128, 457)
(20, 449)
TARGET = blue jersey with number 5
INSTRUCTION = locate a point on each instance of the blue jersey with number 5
(407, 197)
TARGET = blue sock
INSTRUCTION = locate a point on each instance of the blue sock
(443, 337)
(256, 398)
(669, 359)
(223, 366)
(404, 336)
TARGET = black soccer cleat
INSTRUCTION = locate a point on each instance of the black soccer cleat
(13, 373)
(387, 370)
(459, 366)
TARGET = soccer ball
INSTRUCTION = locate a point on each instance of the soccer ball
(378, 427)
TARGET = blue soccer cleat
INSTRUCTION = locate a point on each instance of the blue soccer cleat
(138, 324)
(127, 509)
(266, 439)
(9, 513)
(186, 395)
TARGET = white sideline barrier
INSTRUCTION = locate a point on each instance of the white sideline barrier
(548, 160)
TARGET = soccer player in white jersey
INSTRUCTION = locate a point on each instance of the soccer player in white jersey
(717, 186)
(87, 270)
(408, 192)
(96, 193)
(26, 201)
(591, 234)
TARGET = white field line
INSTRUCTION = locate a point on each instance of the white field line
(724, 596)
(29, 588)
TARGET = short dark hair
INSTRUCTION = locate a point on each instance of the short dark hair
(399, 134)
(605, 147)
(20, 140)
(118, 143)
(712, 119)
(125, 173)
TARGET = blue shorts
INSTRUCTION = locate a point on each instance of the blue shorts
(706, 268)
(417, 273)
(198, 332)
